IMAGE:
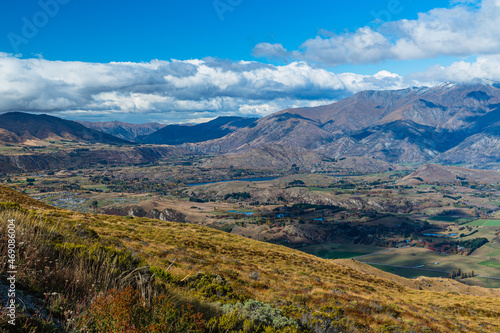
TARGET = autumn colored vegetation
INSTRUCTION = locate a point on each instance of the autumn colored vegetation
(98, 273)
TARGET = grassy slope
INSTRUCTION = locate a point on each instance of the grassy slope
(286, 277)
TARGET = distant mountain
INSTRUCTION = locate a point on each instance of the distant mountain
(122, 130)
(446, 124)
(18, 127)
(271, 157)
(285, 157)
(414, 125)
(179, 134)
(86, 158)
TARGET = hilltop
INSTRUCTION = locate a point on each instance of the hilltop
(188, 133)
(9, 195)
(433, 173)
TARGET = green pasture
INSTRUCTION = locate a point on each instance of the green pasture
(484, 223)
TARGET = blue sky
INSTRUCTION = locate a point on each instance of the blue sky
(177, 61)
(104, 31)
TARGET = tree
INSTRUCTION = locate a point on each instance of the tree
(94, 205)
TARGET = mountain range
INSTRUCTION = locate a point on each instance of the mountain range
(122, 130)
(179, 134)
(447, 124)
(19, 127)
(450, 123)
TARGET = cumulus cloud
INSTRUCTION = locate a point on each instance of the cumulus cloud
(187, 91)
(270, 51)
(466, 28)
(183, 90)
(483, 68)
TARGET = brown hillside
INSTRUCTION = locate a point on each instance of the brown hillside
(433, 173)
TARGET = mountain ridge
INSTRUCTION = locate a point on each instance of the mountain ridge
(447, 124)
(19, 127)
(413, 125)
(187, 133)
(123, 130)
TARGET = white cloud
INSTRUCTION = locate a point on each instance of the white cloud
(484, 67)
(271, 51)
(200, 120)
(176, 88)
(182, 91)
(467, 28)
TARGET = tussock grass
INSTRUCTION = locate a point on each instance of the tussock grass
(67, 273)
(135, 261)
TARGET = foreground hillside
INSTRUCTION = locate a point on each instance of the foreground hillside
(9, 195)
(263, 287)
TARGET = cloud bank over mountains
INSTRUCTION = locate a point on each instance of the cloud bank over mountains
(177, 89)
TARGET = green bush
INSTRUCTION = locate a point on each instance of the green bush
(330, 319)
(10, 206)
(213, 287)
(261, 314)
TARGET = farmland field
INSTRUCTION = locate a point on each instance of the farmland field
(420, 258)
(491, 263)
(484, 223)
(409, 273)
(482, 282)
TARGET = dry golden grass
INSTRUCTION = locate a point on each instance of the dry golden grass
(285, 277)
(288, 279)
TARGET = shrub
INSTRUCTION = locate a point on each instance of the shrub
(238, 196)
(261, 314)
(125, 311)
(330, 319)
(212, 286)
(10, 206)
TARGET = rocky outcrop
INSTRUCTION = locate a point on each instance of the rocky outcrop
(167, 214)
